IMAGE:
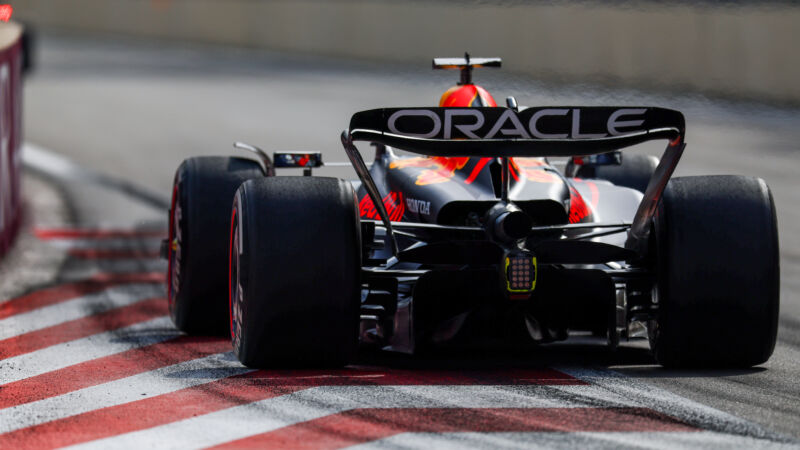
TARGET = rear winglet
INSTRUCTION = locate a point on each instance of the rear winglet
(466, 61)
(465, 64)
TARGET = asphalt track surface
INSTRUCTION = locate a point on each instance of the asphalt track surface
(88, 357)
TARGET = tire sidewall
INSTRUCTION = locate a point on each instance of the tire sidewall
(239, 278)
(178, 235)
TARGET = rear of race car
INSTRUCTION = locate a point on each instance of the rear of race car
(499, 273)
(480, 240)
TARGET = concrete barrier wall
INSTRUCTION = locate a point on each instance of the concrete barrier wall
(10, 133)
(746, 50)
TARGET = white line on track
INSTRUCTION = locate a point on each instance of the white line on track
(85, 269)
(136, 387)
(85, 349)
(88, 305)
(59, 166)
(127, 243)
(274, 413)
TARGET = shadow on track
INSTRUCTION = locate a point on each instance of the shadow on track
(632, 359)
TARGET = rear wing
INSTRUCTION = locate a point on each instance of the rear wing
(502, 132)
(530, 132)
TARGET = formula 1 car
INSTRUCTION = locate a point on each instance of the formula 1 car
(478, 241)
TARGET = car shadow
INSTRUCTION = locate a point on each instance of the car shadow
(632, 359)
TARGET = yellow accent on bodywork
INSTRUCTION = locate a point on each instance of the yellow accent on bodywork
(535, 276)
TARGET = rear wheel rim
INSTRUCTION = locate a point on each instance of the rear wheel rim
(234, 284)
(174, 250)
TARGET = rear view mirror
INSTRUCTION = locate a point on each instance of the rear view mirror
(299, 160)
(603, 159)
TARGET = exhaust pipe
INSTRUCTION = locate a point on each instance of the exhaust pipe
(506, 223)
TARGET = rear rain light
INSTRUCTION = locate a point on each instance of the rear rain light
(520, 271)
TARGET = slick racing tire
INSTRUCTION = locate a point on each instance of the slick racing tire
(716, 240)
(295, 264)
(197, 283)
(634, 172)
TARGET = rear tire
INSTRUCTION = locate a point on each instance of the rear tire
(634, 172)
(295, 266)
(718, 273)
(197, 284)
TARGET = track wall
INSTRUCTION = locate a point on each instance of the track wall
(741, 49)
(10, 133)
